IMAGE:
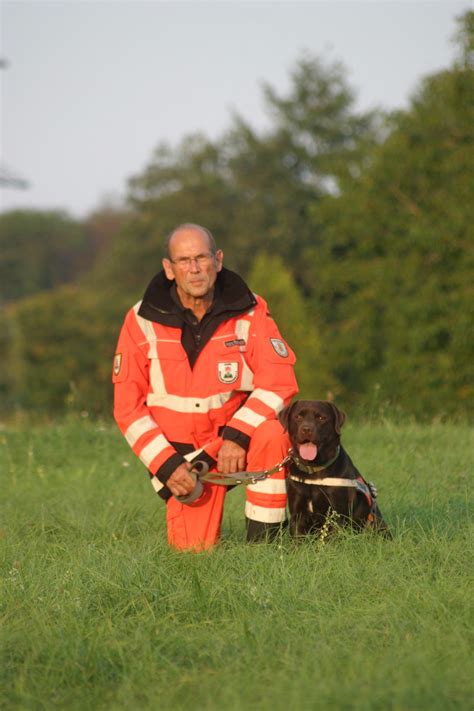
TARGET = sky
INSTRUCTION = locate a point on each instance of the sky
(91, 88)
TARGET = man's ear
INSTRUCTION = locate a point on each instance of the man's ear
(284, 416)
(339, 417)
(168, 268)
(219, 259)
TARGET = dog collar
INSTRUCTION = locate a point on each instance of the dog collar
(308, 468)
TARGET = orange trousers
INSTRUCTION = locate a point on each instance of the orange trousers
(197, 526)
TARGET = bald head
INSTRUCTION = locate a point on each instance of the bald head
(189, 228)
(193, 262)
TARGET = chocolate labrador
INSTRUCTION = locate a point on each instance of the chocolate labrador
(321, 475)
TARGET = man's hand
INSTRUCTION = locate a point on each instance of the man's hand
(181, 482)
(231, 458)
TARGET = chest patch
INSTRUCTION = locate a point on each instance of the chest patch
(228, 372)
(235, 342)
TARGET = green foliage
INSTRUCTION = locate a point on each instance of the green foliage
(255, 189)
(366, 226)
(97, 612)
(465, 39)
(299, 325)
(395, 289)
(38, 251)
(60, 350)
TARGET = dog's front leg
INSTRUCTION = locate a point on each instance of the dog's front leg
(297, 525)
(298, 502)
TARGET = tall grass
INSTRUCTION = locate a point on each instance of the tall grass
(97, 612)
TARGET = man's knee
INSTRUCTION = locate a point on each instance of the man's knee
(270, 441)
(268, 430)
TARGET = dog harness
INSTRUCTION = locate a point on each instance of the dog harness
(368, 489)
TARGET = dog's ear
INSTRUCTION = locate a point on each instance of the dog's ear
(339, 417)
(284, 415)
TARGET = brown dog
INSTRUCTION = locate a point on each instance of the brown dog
(321, 474)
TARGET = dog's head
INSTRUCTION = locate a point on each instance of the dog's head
(314, 426)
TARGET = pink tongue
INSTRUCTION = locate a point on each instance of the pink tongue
(308, 450)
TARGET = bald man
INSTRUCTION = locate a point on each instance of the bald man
(201, 373)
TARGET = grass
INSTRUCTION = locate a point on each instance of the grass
(97, 612)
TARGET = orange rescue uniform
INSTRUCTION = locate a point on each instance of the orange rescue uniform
(170, 412)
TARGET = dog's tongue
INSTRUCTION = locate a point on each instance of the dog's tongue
(308, 450)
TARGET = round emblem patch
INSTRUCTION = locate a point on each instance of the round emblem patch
(227, 372)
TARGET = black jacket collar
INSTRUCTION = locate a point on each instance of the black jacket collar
(232, 297)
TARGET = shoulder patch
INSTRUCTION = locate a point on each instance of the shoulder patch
(117, 363)
(279, 347)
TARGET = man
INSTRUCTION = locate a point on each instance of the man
(201, 372)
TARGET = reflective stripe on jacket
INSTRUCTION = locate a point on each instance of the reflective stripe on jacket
(242, 377)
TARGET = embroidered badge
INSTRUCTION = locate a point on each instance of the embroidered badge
(279, 347)
(117, 363)
(227, 372)
(236, 342)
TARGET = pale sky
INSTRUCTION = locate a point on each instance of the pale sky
(91, 88)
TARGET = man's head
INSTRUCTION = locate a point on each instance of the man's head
(192, 261)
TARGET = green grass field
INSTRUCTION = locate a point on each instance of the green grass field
(97, 612)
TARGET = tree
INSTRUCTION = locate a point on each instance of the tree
(38, 251)
(395, 287)
(358, 234)
(300, 326)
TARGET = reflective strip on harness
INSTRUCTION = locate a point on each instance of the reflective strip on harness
(358, 484)
(327, 481)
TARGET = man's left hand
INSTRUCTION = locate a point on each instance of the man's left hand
(231, 458)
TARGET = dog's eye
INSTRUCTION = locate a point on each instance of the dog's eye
(321, 418)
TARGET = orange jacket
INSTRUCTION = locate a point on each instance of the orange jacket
(242, 377)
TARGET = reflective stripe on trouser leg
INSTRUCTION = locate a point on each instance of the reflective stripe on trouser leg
(266, 500)
(196, 526)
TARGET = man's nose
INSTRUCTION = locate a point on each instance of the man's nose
(194, 265)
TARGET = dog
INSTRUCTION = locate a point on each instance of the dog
(321, 475)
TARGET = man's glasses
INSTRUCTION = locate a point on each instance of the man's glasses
(185, 262)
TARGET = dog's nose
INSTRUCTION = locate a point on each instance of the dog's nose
(306, 430)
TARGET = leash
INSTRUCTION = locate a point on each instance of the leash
(200, 473)
(245, 478)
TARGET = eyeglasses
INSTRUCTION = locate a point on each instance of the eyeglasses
(185, 262)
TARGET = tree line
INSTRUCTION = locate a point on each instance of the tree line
(356, 226)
